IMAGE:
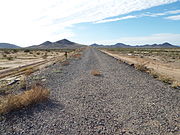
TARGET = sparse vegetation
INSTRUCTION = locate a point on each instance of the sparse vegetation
(12, 102)
(164, 53)
(141, 67)
(29, 71)
(10, 58)
(45, 56)
(26, 50)
(96, 72)
(161, 63)
(176, 84)
(1, 68)
(165, 79)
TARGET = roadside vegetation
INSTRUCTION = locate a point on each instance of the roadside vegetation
(12, 102)
(96, 72)
(161, 63)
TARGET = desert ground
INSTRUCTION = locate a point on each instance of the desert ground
(11, 58)
(92, 93)
(163, 64)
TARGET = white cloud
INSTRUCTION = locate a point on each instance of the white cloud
(142, 15)
(164, 13)
(141, 40)
(176, 17)
(116, 19)
(27, 22)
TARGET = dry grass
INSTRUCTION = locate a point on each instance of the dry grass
(176, 84)
(165, 79)
(161, 77)
(141, 67)
(1, 68)
(96, 73)
(29, 71)
(13, 102)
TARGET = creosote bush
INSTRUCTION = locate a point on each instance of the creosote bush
(12, 102)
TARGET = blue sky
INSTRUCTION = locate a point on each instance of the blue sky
(133, 22)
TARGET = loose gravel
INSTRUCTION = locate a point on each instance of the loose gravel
(121, 101)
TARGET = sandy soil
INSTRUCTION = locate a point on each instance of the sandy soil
(167, 69)
(22, 61)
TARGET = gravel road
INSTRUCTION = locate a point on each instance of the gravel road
(122, 101)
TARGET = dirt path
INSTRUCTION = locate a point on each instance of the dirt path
(122, 101)
(165, 70)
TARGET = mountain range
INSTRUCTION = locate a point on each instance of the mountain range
(7, 45)
(60, 44)
(66, 44)
(121, 45)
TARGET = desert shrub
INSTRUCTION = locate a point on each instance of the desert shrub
(4, 55)
(38, 53)
(15, 50)
(176, 84)
(161, 77)
(9, 58)
(7, 52)
(96, 73)
(141, 67)
(26, 50)
(12, 102)
(1, 68)
(45, 56)
(165, 79)
(29, 71)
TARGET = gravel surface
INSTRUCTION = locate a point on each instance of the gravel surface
(122, 101)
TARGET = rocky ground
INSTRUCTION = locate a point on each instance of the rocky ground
(121, 101)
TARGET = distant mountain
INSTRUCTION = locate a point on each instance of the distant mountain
(46, 43)
(8, 46)
(65, 42)
(96, 45)
(118, 45)
(121, 45)
(61, 44)
(164, 45)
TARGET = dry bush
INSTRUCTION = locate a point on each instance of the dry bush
(13, 102)
(1, 68)
(10, 58)
(141, 67)
(65, 63)
(176, 84)
(45, 56)
(165, 79)
(96, 73)
(29, 71)
(161, 77)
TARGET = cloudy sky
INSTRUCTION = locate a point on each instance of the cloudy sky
(31, 22)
